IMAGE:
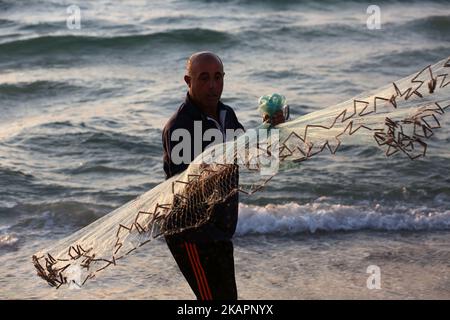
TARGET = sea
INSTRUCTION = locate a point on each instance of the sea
(87, 86)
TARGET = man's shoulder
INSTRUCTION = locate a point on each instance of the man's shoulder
(181, 118)
(185, 116)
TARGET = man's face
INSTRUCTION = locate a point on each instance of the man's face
(206, 82)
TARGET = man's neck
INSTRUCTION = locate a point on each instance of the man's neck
(208, 111)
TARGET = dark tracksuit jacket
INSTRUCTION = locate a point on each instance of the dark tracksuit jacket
(224, 219)
(204, 254)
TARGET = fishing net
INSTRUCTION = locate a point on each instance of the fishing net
(400, 118)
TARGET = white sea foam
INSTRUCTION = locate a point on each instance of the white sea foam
(7, 240)
(294, 218)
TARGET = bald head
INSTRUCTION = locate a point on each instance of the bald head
(201, 57)
(204, 77)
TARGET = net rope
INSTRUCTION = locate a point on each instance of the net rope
(399, 118)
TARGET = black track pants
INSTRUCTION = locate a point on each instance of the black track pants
(208, 267)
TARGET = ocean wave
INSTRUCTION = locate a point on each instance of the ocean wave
(319, 32)
(6, 22)
(5, 5)
(87, 168)
(293, 218)
(62, 215)
(9, 174)
(8, 240)
(42, 27)
(432, 25)
(73, 44)
(326, 31)
(399, 59)
(40, 87)
(289, 3)
(68, 138)
(280, 74)
(282, 220)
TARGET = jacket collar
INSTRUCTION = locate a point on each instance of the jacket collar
(195, 111)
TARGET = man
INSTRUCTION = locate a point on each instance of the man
(205, 254)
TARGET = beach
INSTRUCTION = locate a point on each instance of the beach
(81, 117)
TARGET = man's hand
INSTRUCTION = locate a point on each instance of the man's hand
(276, 119)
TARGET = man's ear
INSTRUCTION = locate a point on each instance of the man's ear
(187, 79)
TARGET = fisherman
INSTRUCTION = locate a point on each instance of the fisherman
(205, 254)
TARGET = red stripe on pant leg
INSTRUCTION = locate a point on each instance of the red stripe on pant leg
(196, 273)
(202, 272)
(198, 268)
